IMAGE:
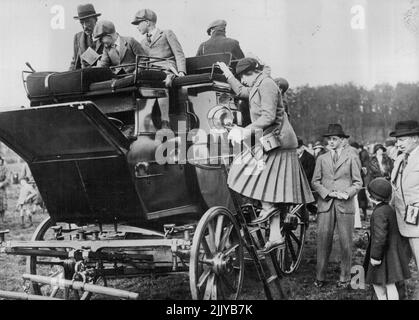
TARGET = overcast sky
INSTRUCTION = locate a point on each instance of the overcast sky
(305, 41)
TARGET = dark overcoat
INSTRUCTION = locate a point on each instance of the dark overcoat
(386, 244)
(80, 46)
(219, 43)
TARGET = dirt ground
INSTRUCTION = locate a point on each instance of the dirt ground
(298, 286)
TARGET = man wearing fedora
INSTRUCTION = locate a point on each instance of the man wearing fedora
(219, 43)
(117, 50)
(84, 39)
(405, 181)
(165, 45)
(337, 180)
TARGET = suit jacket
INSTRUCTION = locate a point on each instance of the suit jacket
(130, 48)
(344, 176)
(80, 46)
(408, 182)
(164, 44)
(219, 43)
(308, 163)
(266, 107)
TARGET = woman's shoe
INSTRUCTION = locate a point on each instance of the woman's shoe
(272, 245)
(264, 217)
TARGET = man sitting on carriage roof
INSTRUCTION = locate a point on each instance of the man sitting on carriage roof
(165, 45)
(118, 50)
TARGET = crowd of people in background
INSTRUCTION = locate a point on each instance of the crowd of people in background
(349, 178)
(29, 198)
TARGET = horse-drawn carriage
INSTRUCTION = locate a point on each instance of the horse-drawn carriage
(114, 209)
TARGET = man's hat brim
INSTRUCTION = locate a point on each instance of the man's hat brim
(404, 133)
(138, 21)
(337, 134)
(88, 16)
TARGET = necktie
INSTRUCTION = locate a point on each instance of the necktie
(404, 163)
(149, 38)
(335, 157)
(114, 55)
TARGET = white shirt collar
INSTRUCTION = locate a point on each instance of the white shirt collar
(118, 43)
(414, 151)
(152, 33)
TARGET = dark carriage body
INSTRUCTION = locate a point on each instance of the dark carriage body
(87, 169)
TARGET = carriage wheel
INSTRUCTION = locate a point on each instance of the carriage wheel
(294, 231)
(217, 262)
(51, 267)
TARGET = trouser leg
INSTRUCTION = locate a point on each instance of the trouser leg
(325, 228)
(358, 223)
(164, 108)
(345, 225)
(414, 244)
(380, 292)
(392, 293)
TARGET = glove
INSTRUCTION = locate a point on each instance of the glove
(237, 134)
(226, 70)
(375, 262)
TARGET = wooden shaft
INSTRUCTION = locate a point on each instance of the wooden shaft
(78, 285)
(23, 296)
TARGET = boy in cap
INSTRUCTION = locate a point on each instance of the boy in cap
(83, 41)
(219, 43)
(118, 50)
(388, 254)
(161, 44)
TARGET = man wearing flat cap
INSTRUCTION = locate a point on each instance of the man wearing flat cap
(219, 43)
(118, 50)
(405, 181)
(83, 41)
(337, 179)
(161, 44)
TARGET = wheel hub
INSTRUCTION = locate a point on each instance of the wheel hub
(222, 264)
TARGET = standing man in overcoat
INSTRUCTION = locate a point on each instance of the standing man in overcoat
(405, 181)
(337, 180)
(219, 43)
(83, 40)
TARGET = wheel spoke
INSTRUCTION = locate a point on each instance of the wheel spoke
(206, 247)
(225, 237)
(214, 292)
(211, 237)
(230, 250)
(291, 248)
(204, 277)
(208, 288)
(218, 230)
(295, 239)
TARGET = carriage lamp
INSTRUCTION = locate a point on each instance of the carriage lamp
(219, 118)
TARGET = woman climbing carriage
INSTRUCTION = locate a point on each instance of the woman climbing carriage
(280, 180)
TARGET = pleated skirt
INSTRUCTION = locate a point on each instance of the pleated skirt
(276, 176)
